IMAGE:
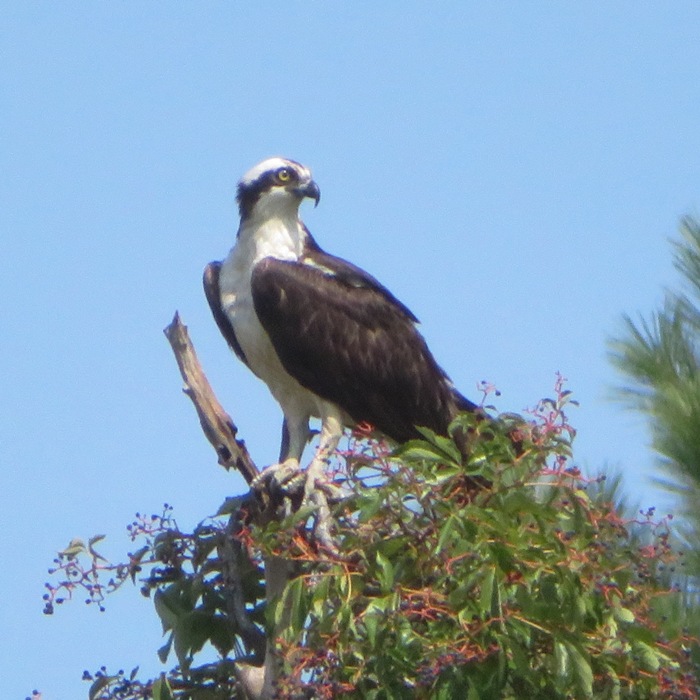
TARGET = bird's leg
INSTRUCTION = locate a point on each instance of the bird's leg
(317, 471)
(282, 476)
(284, 443)
(311, 487)
(318, 489)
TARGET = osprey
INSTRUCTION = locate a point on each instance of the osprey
(325, 336)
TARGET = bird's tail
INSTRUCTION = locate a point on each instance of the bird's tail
(462, 438)
(462, 403)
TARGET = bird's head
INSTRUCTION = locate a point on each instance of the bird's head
(275, 187)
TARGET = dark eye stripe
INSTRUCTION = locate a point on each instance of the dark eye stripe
(249, 193)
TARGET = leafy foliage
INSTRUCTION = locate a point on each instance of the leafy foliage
(524, 589)
(497, 576)
(205, 592)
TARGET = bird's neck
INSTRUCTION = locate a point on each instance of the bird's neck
(280, 236)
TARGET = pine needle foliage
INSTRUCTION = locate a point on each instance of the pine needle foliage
(660, 358)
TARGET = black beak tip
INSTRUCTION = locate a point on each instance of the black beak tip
(310, 190)
(314, 192)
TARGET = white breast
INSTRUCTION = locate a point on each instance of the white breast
(273, 239)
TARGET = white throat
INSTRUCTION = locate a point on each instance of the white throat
(280, 237)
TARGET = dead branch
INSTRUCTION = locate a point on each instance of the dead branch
(257, 682)
(217, 425)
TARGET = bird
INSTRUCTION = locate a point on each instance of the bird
(328, 339)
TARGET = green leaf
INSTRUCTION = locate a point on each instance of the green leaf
(369, 503)
(473, 693)
(191, 632)
(446, 530)
(519, 501)
(439, 451)
(623, 614)
(167, 606)
(561, 661)
(646, 655)
(161, 689)
(294, 604)
(231, 505)
(100, 683)
(301, 516)
(640, 633)
(582, 496)
(181, 647)
(582, 671)
(520, 655)
(371, 620)
(486, 598)
(503, 556)
(386, 573)
(420, 451)
(320, 596)
(164, 651)
(75, 547)
(442, 443)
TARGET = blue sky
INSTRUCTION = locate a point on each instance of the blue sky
(511, 171)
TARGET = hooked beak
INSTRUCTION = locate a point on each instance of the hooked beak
(310, 190)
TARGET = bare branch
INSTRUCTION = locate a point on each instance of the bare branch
(217, 425)
(258, 682)
(229, 550)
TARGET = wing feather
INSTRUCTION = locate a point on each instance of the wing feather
(213, 294)
(343, 336)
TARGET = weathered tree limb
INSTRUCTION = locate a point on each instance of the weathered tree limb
(257, 682)
(217, 425)
(230, 554)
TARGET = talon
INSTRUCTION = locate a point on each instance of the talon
(277, 478)
(317, 480)
(331, 490)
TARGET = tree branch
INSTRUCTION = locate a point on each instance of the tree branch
(217, 425)
(257, 682)
(229, 550)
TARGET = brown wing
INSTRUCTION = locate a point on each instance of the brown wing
(213, 294)
(352, 343)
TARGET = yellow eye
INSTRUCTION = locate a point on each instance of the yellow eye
(284, 175)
